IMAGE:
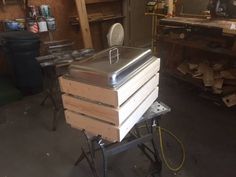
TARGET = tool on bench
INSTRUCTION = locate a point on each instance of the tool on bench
(222, 8)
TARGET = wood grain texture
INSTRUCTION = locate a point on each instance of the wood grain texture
(98, 1)
(108, 131)
(62, 10)
(115, 116)
(137, 114)
(84, 24)
(125, 91)
(107, 96)
(99, 94)
(92, 126)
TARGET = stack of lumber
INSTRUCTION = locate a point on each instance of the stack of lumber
(219, 77)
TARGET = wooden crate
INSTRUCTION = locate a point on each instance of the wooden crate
(110, 113)
(106, 130)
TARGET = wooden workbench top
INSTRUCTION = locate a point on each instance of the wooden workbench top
(227, 25)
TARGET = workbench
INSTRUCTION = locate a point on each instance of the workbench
(143, 135)
(226, 26)
(186, 40)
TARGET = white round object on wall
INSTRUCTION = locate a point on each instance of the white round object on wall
(116, 34)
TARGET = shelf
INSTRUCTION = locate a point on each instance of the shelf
(198, 44)
(205, 92)
(156, 14)
(98, 1)
(75, 22)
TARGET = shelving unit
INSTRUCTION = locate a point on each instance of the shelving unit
(75, 21)
(101, 15)
(195, 40)
(199, 44)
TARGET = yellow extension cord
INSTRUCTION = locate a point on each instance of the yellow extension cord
(160, 130)
(174, 169)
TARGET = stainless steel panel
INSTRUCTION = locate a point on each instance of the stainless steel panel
(111, 67)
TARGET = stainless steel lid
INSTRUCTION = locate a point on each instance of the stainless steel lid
(111, 67)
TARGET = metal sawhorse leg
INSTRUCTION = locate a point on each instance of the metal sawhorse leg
(132, 141)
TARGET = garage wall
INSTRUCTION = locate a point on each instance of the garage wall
(138, 26)
(62, 10)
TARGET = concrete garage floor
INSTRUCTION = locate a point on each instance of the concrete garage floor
(29, 149)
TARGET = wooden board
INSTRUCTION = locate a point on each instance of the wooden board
(98, 1)
(128, 89)
(108, 131)
(230, 100)
(115, 116)
(84, 24)
(107, 96)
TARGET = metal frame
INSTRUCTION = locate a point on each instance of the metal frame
(134, 139)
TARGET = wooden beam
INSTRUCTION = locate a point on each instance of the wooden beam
(98, 1)
(84, 24)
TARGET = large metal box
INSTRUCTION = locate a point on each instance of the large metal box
(110, 109)
(111, 67)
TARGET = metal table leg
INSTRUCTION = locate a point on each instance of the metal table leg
(135, 140)
(158, 162)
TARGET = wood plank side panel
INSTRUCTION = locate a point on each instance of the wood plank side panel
(112, 115)
(134, 101)
(93, 126)
(137, 81)
(108, 96)
(91, 109)
(137, 114)
(91, 92)
(108, 131)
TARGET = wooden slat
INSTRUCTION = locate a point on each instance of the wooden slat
(137, 114)
(108, 131)
(112, 115)
(133, 102)
(136, 82)
(103, 95)
(111, 97)
(230, 100)
(91, 109)
(98, 1)
(84, 24)
(92, 126)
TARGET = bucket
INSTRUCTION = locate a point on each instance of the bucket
(45, 11)
(33, 26)
(51, 22)
(21, 23)
(11, 25)
(32, 11)
(42, 25)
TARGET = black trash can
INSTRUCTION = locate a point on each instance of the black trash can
(21, 49)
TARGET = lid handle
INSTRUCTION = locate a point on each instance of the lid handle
(114, 56)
